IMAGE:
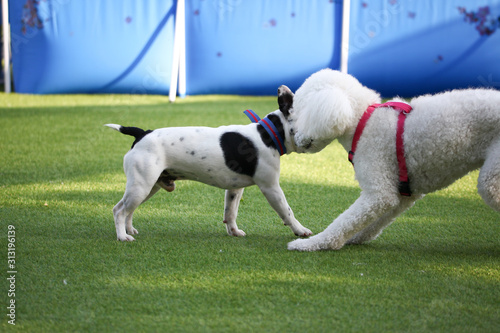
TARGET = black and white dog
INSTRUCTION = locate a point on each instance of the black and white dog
(230, 157)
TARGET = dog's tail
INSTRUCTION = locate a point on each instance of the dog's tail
(136, 132)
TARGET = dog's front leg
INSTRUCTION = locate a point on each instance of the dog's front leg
(231, 203)
(276, 198)
(366, 210)
(372, 231)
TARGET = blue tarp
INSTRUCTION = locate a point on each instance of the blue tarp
(397, 47)
(92, 46)
(232, 46)
(252, 47)
(410, 48)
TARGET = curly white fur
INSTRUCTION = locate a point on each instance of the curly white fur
(446, 136)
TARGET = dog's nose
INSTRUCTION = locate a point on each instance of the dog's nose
(302, 142)
(308, 145)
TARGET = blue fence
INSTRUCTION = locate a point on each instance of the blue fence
(398, 47)
(409, 48)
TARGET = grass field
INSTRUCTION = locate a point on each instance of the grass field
(437, 268)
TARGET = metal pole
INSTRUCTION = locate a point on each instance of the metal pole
(6, 44)
(179, 36)
(182, 51)
(344, 43)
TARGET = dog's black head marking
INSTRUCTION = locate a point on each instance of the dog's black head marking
(285, 100)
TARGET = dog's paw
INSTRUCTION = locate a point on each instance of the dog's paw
(232, 229)
(303, 232)
(132, 231)
(300, 245)
(315, 243)
(236, 232)
(126, 238)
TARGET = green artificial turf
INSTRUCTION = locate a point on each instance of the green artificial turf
(435, 269)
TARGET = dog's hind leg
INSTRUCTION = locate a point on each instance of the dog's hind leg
(128, 220)
(121, 216)
(231, 204)
(141, 185)
(488, 184)
(375, 229)
(365, 211)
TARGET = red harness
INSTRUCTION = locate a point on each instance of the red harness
(404, 109)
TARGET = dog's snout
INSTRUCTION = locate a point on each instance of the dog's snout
(302, 142)
(308, 144)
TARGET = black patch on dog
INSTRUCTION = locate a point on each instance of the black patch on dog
(240, 154)
(266, 138)
(136, 132)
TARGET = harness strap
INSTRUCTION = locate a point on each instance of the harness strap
(404, 182)
(404, 109)
(270, 128)
(360, 128)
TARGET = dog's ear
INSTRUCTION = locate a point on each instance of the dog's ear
(285, 100)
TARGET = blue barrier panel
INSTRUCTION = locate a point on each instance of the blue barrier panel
(92, 46)
(252, 47)
(233, 46)
(409, 47)
(397, 47)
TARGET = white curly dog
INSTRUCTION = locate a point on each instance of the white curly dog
(399, 156)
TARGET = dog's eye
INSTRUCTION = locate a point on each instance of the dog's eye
(292, 132)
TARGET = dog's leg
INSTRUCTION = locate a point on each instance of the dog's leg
(121, 216)
(128, 220)
(276, 198)
(141, 185)
(488, 184)
(124, 210)
(375, 229)
(366, 210)
(231, 203)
